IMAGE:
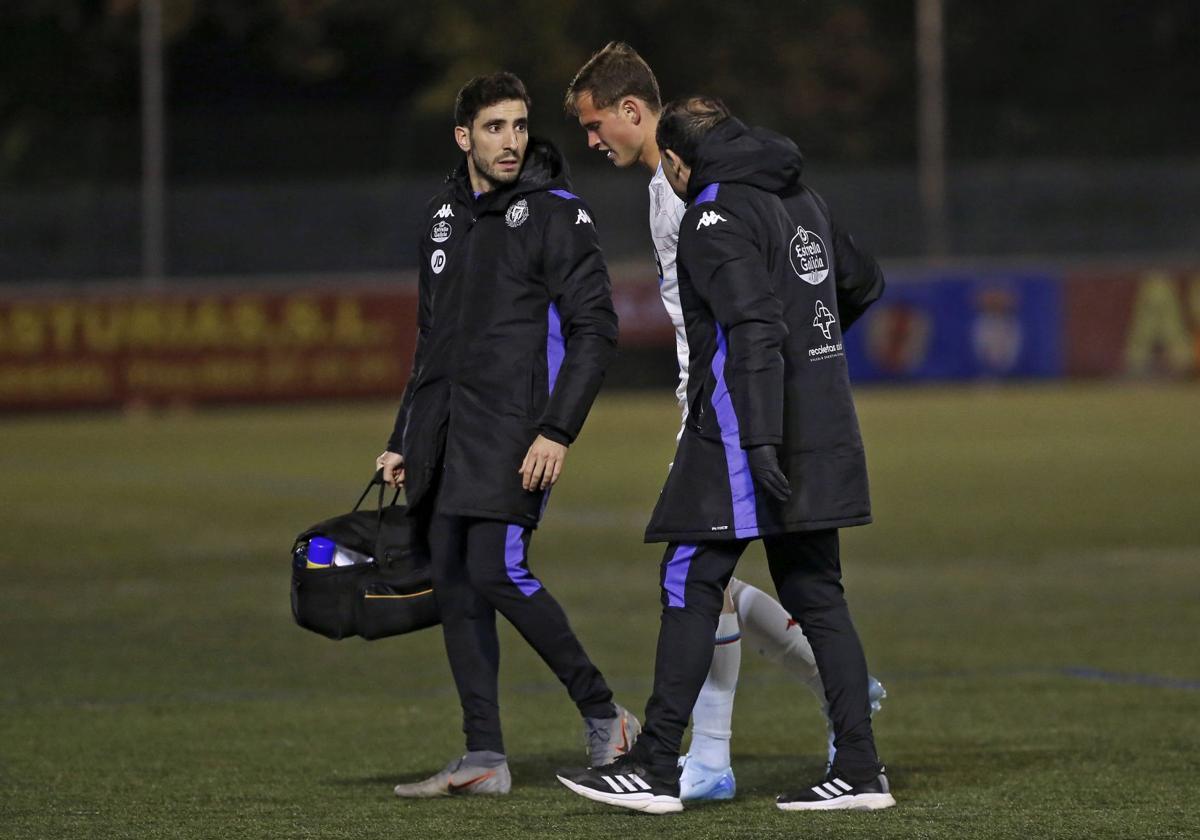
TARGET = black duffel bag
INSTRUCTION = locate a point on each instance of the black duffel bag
(391, 595)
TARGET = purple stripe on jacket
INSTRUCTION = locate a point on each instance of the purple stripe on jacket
(555, 347)
(709, 193)
(675, 577)
(741, 484)
(514, 561)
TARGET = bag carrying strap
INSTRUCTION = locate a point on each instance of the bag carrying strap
(377, 479)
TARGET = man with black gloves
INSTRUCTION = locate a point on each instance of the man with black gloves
(770, 449)
(515, 330)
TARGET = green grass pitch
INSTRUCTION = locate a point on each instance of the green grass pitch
(1029, 594)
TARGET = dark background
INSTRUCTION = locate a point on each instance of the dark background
(304, 134)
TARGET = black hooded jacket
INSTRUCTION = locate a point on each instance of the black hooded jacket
(767, 283)
(515, 330)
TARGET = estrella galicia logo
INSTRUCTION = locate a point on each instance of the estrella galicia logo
(517, 213)
(809, 258)
(824, 320)
(440, 232)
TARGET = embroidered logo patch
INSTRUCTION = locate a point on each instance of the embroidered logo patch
(517, 213)
(441, 232)
(808, 256)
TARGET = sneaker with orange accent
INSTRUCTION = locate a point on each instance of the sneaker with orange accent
(460, 778)
(610, 738)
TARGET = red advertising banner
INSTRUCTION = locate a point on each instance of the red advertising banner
(643, 319)
(115, 349)
(215, 346)
(1132, 323)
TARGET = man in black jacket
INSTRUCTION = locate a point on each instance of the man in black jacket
(770, 449)
(515, 330)
(615, 97)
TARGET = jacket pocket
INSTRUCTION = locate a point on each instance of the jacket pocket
(699, 410)
(537, 395)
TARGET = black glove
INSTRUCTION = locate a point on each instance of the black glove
(764, 468)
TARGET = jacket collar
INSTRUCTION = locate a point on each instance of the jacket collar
(544, 169)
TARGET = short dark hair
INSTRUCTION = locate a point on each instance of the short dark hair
(686, 122)
(483, 91)
(612, 73)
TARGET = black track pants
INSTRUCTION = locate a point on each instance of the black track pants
(806, 569)
(480, 567)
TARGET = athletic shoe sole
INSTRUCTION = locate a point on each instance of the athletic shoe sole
(861, 802)
(647, 803)
(721, 795)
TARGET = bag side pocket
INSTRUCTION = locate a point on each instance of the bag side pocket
(323, 599)
(393, 607)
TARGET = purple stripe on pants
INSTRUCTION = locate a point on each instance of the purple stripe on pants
(741, 484)
(675, 578)
(514, 561)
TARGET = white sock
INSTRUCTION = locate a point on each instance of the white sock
(712, 717)
(770, 630)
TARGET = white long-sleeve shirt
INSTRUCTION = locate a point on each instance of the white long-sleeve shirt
(666, 211)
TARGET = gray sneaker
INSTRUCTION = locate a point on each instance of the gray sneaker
(609, 738)
(460, 779)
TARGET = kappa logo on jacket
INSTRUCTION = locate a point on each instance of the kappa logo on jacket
(445, 212)
(709, 217)
(517, 213)
(809, 259)
(583, 217)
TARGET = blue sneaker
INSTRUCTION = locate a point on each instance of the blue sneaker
(876, 694)
(698, 782)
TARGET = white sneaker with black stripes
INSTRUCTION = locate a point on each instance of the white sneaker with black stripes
(627, 784)
(835, 793)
